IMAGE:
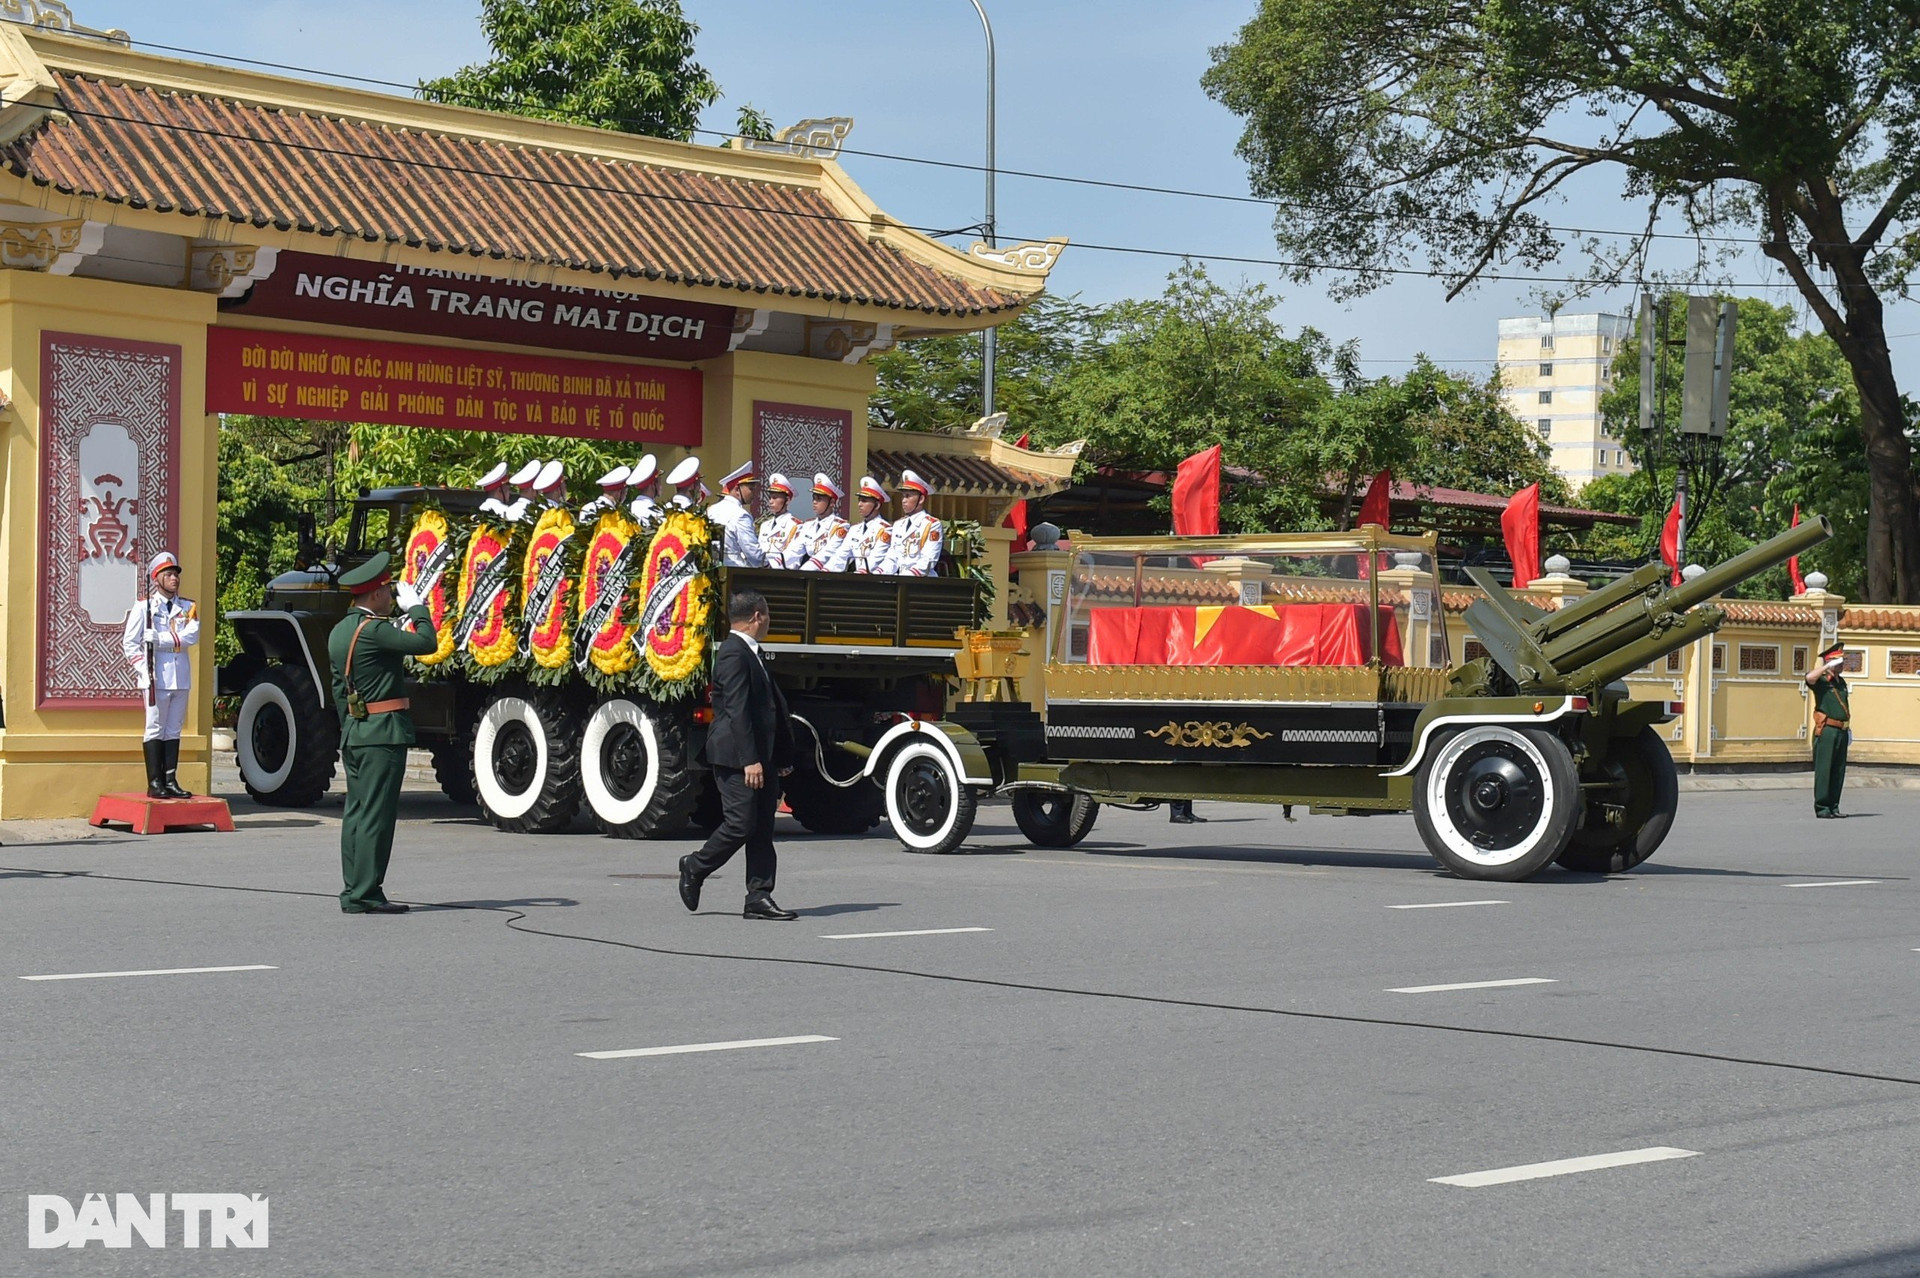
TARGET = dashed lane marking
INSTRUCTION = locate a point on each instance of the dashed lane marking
(1445, 905)
(1475, 985)
(1564, 1167)
(928, 931)
(682, 1048)
(156, 971)
(1834, 883)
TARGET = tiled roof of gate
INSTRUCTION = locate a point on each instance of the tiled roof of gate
(959, 476)
(202, 155)
(1880, 619)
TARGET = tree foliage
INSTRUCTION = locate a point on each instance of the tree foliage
(1435, 134)
(618, 64)
(933, 384)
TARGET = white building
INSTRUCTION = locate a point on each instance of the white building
(1553, 371)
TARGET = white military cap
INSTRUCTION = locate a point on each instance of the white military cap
(644, 470)
(778, 483)
(161, 562)
(910, 480)
(823, 486)
(686, 474)
(526, 474)
(615, 478)
(741, 474)
(870, 487)
(493, 478)
(552, 475)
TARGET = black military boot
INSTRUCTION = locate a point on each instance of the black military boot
(172, 757)
(156, 753)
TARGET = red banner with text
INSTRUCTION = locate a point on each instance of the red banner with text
(340, 379)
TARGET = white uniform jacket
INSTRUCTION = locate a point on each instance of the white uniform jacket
(918, 540)
(867, 545)
(176, 628)
(777, 535)
(645, 510)
(739, 539)
(821, 545)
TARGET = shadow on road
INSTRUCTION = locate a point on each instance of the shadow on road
(525, 902)
(1894, 1262)
(849, 907)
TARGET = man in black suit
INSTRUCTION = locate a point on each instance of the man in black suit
(749, 747)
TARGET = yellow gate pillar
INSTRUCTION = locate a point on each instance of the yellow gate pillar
(110, 457)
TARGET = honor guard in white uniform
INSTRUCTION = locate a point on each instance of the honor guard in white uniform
(494, 482)
(780, 528)
(918, 538)
(684, 479)
(643, 481)
(613, 490)
(522, 482)
(869, 540)
(551, 486)
(821, 545)
(159, 630)
(740, 540)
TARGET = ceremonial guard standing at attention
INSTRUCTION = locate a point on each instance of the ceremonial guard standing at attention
(159, 630)
(522, 481)
(494, 482)
(740, 539)
(1832, 730)
(613, 490)
(551, 486)
(918, 538)
(821, 545)
(777, 533)
(368, 651)
(684, 479)
(869, 540)
(643, 481)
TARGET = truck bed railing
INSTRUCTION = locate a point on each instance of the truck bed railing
(859, 609)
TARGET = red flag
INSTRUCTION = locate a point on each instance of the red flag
(1374, 509)
(1670, 541)
(1793, 564)
(1520, 524)
(1196, 495)
(1017, 513)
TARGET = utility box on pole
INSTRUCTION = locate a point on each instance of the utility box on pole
(1709, 368)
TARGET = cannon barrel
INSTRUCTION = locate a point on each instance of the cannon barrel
(1774, 550)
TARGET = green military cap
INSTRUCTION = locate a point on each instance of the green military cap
(371, 575)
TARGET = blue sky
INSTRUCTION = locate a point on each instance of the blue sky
(1090, 88)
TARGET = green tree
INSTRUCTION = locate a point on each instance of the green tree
(619, 64)
(1396, 131)
(933, 384)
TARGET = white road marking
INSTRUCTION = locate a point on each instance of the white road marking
(1475, 985)
(931, 931)
(1834, 883)
(157, 971)
(1443, 905)
(1565, 1166)
(706, 1047)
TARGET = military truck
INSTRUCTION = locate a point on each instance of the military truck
(856, 656)
(1315, 670)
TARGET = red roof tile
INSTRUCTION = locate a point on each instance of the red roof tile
(959, 476)
(1880, 618)
(201, 155)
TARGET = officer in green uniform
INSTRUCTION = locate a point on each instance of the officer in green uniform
(1831, 730)
(368, 650)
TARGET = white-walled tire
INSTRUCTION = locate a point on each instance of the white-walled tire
(1497, 802)
(634, 770)
(526, 762)
(285, 741)
(929, 806)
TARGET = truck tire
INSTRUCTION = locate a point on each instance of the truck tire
(825, 808)
(526, 762)
(1647, 785)
(453, 768)
(1497, 801)
(635, 770)
(1053, 818)
(930, 807)
(284, 740)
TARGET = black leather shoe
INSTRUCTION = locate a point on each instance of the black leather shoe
(689, 884)
(762, 907)
(386, 907)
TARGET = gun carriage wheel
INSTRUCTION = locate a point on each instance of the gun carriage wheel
(634, 770)
(1054, 818)
(929, 805)
(1644, 789)
(526, 761)
(1495, 801)
(285, 739)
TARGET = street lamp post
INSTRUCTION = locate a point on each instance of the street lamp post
(986, 377)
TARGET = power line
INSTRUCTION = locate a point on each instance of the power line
(801, 215)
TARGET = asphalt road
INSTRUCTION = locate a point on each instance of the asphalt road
(1169, 1051)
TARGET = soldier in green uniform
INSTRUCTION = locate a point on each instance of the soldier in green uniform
(1831, 730)
(368, 650)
